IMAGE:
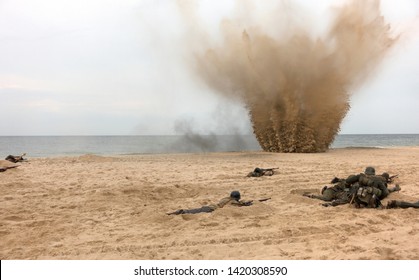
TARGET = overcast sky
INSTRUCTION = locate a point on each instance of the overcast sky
(109, 67)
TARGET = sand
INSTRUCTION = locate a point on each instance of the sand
(97, 207)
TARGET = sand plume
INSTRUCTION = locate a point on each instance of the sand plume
(296, 85)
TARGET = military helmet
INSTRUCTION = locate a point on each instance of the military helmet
(257, 170)
(235, 195)
(370, 170)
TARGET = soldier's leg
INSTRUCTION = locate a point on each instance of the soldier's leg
(203, 209)
(402, 204)
(328, 195)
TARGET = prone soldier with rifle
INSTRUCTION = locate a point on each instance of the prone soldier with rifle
(16, 159)
(233, 199)
(258, 172)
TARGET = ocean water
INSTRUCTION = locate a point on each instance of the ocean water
(50, 146)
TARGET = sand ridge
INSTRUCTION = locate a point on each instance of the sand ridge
(113, 207)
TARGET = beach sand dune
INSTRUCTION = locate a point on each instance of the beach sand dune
(97, 207)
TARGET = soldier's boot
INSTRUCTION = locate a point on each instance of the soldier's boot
(395, 188)
(392, 204)
(372, 203)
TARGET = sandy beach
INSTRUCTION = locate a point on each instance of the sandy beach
(98, 207)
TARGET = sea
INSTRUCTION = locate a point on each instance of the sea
(55, 146)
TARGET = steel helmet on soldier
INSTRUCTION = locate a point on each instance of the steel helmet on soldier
(370, 170)
(235, 195)
(257, 170)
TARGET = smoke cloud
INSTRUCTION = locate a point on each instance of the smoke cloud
(295, 85)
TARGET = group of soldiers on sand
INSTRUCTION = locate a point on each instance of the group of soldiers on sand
(365, 190)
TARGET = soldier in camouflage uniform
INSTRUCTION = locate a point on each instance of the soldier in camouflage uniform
(258, 172)
(372, 188)
(338, 194)
(233, 199)
(369, 179)
(15, 159)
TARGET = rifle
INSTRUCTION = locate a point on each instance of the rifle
(250, 202)
(392, 177)
(269, 169)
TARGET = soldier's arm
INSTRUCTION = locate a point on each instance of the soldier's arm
(316, 196)
(352, 179)
(242, 203)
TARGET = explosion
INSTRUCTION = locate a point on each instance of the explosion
(295, 86)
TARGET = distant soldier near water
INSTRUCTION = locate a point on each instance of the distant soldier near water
(233, 199)
(16, 159)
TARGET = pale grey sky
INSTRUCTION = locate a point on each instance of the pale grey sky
(109, 67)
